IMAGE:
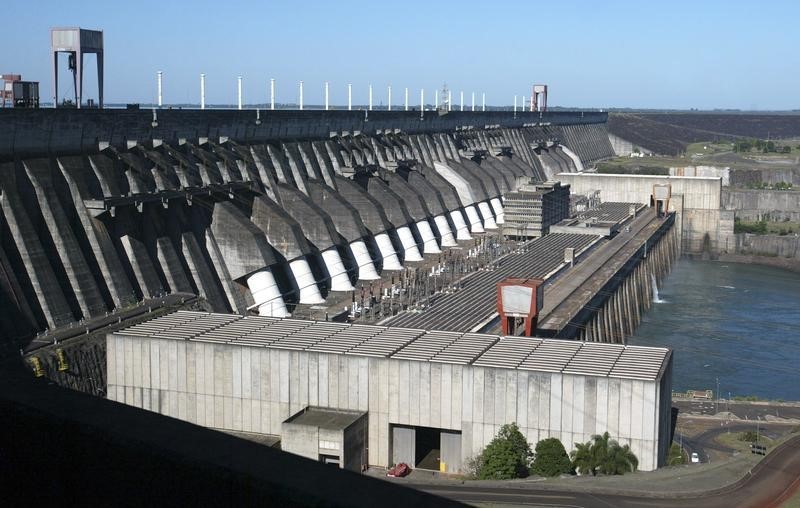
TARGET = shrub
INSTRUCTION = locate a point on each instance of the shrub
(551, 458)
(748, 436)
(473, 466)
(507, 456)
(676, 457)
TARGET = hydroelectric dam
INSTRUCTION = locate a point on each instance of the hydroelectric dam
(335, 261)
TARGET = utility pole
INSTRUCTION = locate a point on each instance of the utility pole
(202, 91)
(272, 93)
(159, 74)
(239, 91)
(301, 95)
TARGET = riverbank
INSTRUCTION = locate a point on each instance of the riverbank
(791, 264)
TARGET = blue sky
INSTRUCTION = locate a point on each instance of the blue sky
(675, 54)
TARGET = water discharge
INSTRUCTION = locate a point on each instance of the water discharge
(656, 296)
(738, 322)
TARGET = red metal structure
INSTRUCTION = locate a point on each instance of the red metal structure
(539, 98)
(519, 299)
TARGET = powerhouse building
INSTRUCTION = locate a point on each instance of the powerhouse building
(360, 395)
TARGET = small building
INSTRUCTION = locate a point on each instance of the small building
(329, 435)
(532, 208)
(17, 93)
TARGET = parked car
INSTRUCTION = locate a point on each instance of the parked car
(695, 458)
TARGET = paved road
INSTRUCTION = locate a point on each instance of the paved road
(744, 410)
(706, 441)
(770, 481)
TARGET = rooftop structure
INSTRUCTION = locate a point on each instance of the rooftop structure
(458, 348)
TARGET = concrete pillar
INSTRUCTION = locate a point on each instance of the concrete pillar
(366, 268)
(488, 218)
(370, 97)
(428, 240)
(410, 249)
(483, 101)
(390, 260)
(473, 101)
(301, 96)
(349, 96)
(340, 281)
(445, 232)
(266, 294)
(475, 225)
(497, 207)
(272, 93)
(239, 91)
(159, 73)
(462, 231)
(462, 100)
(422, 99)
(326, 96)
(309, 292)
(406, 99)
(202, 91)
(390, 98)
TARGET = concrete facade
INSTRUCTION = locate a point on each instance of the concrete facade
(701, 223)
(255, 389)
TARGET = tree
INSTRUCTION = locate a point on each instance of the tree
(507, 456)
(618, 459)
(551, 458)
(604, 455)
(582, 459)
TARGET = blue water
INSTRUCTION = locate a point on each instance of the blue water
(737, 322)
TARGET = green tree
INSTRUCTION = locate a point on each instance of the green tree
(551, 458)
(605, 456)
(618, 459)
(507, 456)
(582, 459)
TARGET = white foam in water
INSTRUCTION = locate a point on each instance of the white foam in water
(656, 297)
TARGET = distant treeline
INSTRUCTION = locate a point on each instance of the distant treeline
(760, 145)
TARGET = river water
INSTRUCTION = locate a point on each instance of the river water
(739, 323)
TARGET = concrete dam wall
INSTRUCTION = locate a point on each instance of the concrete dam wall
(252, 211)
(756, 205)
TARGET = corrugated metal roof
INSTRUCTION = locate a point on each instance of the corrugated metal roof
(481, 350)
